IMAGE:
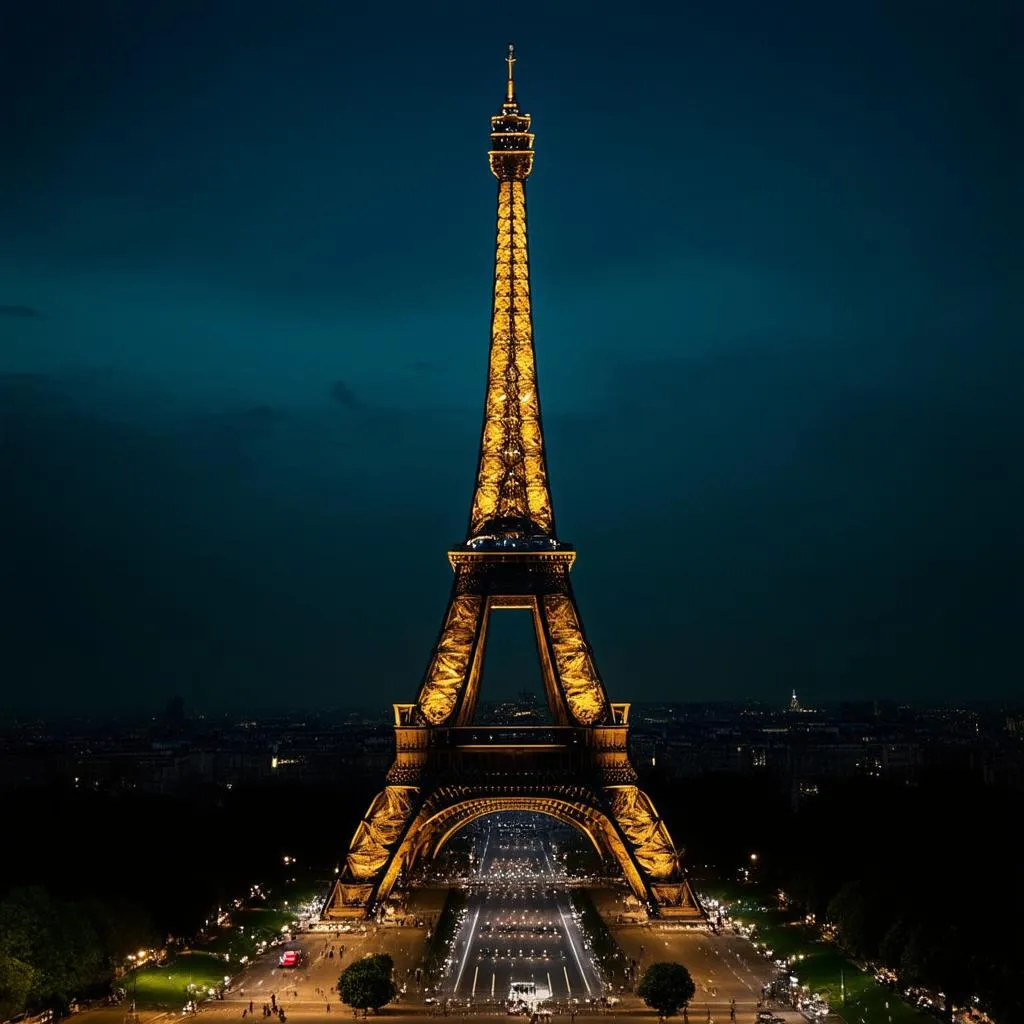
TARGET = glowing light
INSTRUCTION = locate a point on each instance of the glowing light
(511, 524)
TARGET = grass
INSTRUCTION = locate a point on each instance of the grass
(163, 987)
(824, 968)
(441, 942)
(225, 941)
(247, 929)
(298, 891)
(262, 919)
(606, 950)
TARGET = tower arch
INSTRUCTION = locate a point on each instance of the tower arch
(445, 825)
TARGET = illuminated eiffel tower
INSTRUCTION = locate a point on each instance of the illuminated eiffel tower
(447, 771)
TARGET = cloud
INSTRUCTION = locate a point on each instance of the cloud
(215, 552)
(845, 516)
(838, 519)
(343, 394)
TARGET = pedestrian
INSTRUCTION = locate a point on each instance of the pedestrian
(250, 1006)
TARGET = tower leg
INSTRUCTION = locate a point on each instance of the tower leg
(652, 855)
(371, 860)
(404, 821)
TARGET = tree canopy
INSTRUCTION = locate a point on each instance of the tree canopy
(49, 951)
(892, 899)
(366, 984)
(666, 987)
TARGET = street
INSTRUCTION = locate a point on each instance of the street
(519, 939)
(518, 942)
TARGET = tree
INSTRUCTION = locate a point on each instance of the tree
(55, 940)
(366, 984)
(941, 957)
(17, 979)
(666, 987)
(893, 943)
(848, 910)
(121, 926)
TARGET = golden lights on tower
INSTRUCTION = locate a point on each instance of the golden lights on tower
(511, 495)
(443, 774)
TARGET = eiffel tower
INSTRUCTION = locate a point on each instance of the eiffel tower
(449, 771)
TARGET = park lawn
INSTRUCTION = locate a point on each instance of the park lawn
(221, 942)
(605, 949)
(733, 892)
(298, 892)
(165, 986)
(247, 927)
(264, 919)
(824, 969)
(440, 948)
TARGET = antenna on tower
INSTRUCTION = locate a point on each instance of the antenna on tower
(510, 93)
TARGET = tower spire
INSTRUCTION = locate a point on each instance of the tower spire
(511, 502)
(510, 92)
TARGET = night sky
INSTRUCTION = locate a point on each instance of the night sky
(245, 262)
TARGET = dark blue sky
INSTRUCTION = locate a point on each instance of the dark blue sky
(777, 274)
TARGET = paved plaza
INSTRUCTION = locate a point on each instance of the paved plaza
(518, 934)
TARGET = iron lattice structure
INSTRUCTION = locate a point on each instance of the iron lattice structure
(447, 771)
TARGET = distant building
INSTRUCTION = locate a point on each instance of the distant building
(797, 747)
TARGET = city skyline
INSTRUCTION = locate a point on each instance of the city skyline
(243, 368)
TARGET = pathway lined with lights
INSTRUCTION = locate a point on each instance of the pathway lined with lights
(519, 933)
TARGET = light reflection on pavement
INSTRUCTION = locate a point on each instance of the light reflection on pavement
(518, 927)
